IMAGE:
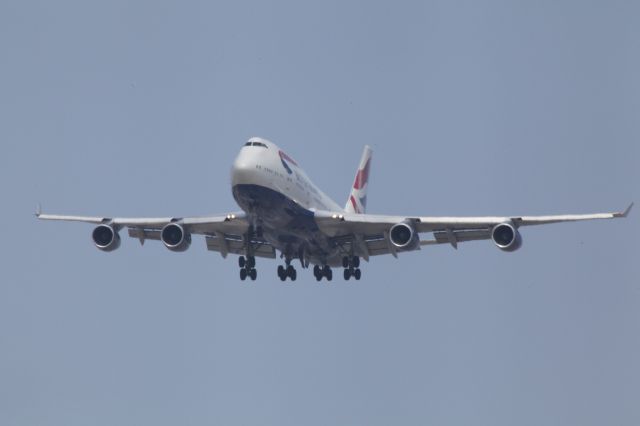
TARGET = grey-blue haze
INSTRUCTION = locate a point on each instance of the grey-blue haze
(472, 107)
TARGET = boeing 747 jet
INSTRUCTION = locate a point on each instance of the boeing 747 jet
(284, 212)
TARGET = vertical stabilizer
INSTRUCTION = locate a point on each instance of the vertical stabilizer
(357, 202)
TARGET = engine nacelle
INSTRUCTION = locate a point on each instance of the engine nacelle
(403, 236)
(175, 238)
(506, 237)
(106, 238)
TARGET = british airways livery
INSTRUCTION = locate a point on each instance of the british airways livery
(284, 212)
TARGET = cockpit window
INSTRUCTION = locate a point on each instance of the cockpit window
(256, 144)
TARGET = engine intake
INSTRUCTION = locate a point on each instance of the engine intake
(506, 237)
(403, 236)
(175, 238)
(106, 238)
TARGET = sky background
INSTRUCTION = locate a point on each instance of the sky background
(138, 108)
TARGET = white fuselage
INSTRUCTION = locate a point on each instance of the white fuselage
(263, 163)
(281, 201)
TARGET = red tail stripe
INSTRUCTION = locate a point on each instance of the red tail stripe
(362, 177)
(355, 206)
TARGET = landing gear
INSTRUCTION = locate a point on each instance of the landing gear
(317, 273)
(351, 265)
(247, 268)
(322, 272)
(287, 272)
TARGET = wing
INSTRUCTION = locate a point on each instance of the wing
(369, 234)
(225, 234)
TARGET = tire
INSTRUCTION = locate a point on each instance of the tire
(357, 274)
(317, 272)
(345, 262)
(243, 274)
(253, 274)
(356, 262)
(282, 274)
(347, 274)
(241, 261)
(329, 274)
(251, 262)
(294, 275)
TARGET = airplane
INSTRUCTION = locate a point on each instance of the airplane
(283, 211)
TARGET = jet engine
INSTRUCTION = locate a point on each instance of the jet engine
(106, 238)
(175, 238)
(506, 237)
(404, 236)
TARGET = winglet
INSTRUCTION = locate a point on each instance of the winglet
(38, 210)
(625, 212)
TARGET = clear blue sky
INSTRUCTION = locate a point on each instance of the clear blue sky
(472, 108)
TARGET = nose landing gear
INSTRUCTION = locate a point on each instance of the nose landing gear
(351, 266)
(247, 268)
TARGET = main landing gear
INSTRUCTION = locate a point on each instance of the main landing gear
(351, 266)
(287, 272)
(247, 268)
(322, 272)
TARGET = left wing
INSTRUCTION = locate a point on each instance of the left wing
(225, 234)
(371, 234)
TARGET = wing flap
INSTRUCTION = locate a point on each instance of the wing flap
(235, 245)
(144, 234)
(377, 247)
(442, 237)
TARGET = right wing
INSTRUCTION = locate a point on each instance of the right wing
(225, 234)
(368, 235)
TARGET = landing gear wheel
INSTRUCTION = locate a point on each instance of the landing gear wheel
(241, 261)
(291, 272)
(357, 274)
(253, 274)
(328, 274)
(282, 273)
(347, 274)
(345, 262)
(317, 272)
(251, 262)
(243, 274)
(355, 262)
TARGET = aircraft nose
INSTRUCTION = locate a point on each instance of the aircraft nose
(244, 170)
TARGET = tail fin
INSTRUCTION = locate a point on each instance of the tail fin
(357, 202)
